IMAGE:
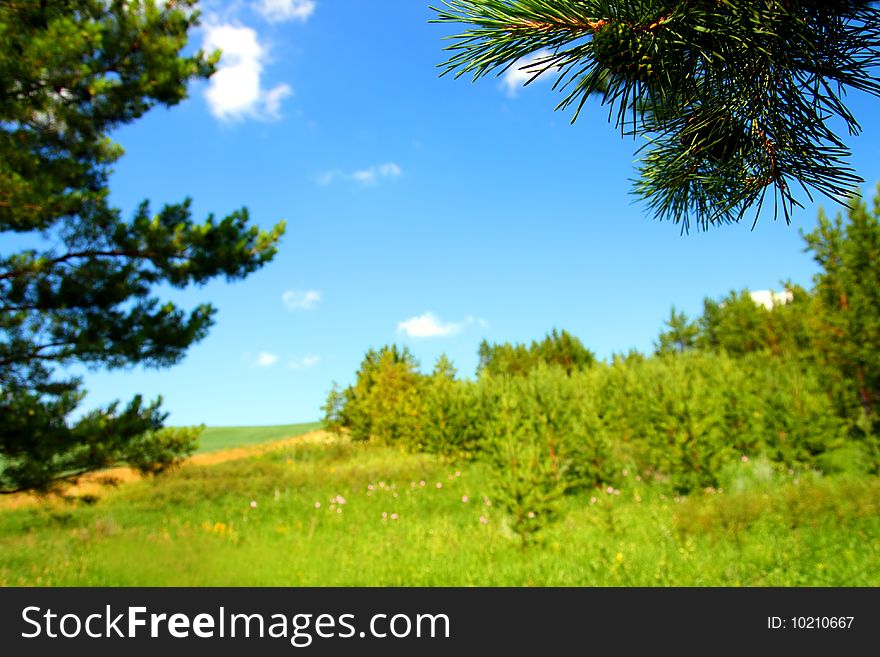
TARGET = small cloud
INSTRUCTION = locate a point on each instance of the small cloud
(304, 363)
(266, 359)
(428, 326)
(482, 323)
(519, 74)
(272, 100)
(326, 177)
(235, 90)
(279, 11)
(768, 298)
(301, 299)
(367, 177)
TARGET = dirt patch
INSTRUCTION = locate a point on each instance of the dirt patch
(96, 483)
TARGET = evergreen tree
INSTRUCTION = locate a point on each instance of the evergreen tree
(385, 403)
(680, 334)
(734, 98)
(83, 293)
(847, 319)
(557, 348)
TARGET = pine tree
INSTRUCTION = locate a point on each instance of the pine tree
(83, 293)
(735, 99)
(847, 318)
(680, 334)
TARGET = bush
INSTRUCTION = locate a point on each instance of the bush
(543, 438)
(452, 424)
(385, 404)
(678, 419)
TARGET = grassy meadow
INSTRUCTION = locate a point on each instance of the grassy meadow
(214, 439)
(333, 512)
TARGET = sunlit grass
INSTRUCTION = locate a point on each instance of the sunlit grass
(350, 514)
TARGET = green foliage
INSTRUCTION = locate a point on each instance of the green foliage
(529, 473)
(199, 529)
(847, 324)
(681, 419)
(76, 70)
(543, 439)
(680, 334)
(557, 348)
(384, 404)
(155, 452)
(452, 424)
(735, 99)
(738, 325)
(783, 384)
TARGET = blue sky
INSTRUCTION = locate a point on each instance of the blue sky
(421, 210)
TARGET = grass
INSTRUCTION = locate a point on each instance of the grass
(352, 514)
(214, 439)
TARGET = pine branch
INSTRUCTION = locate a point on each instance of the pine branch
(735, 99)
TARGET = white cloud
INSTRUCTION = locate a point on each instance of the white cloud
(272, 100)
(266, 359)
(301, 299)
(235, 91)
(304, 363)
(769, 298)
(367, 177)
(482, 323)
(428, 326)
(277, 11)
(515, 77)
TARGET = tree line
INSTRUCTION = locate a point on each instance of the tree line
(794, 381)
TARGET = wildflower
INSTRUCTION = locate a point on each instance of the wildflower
(464, 498)
(253, 504)
(593, 500)
(618, 557)
(617, 491)
(458, 473)
(317, 505)
(384, 515)
(609, 490)
(638, 478)
(531, 514)
(371, 487)
(487, 501)
(744, 459)
(625, 472)
(439, 485)
(484, 520)
(381, 484)
(422, 483)
(340, 499)
(339, 510)
(394, 516)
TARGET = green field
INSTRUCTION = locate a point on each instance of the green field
(357, 514)
(214, 439)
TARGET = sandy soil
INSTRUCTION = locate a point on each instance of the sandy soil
(95, 483)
